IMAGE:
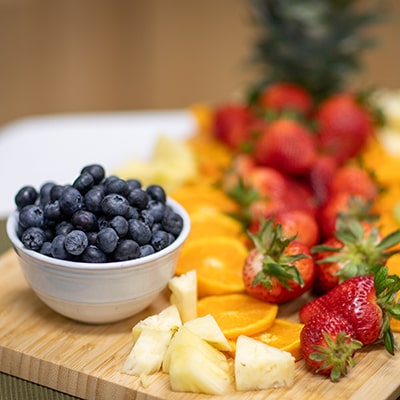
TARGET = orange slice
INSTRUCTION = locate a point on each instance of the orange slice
(206, 223)
(284, 335)
(218, 262)
(201, 196)
(238, 314)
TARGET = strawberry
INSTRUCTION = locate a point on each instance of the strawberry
(327, 344)
(282, 96)
(344, 126)
(320, 176)
(286, 145)
(299, 223)
(367, 302)
(230, 125)
(278, 269)
(355, 180)
(356, 248)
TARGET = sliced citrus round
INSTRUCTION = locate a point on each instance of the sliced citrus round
(218, 262)
(206, 223)
(200, 196)
(238, 313)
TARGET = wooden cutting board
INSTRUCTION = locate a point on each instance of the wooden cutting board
(85, 361)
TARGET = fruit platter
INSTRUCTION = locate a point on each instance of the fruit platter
(287, 285)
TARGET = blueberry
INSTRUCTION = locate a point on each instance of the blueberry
(107, 240)
(33, 238)
(139, 231)
(45, 192)
(93, 199)
(132, 213)
(172, 222)
(46, 249)
(138, 198)
(156, 209)
(126, 250)
(92, 237)
(58, 249)
(147, 217)
(84, 182)
(84, 220)
(120, 225)
(31, 215)
(146, 250)
(114, 204)
(93, 254)
(55, 192)
(113, 184)
(76, 242)
(63, 228)
(160, 240)
(70, 200)
(156, 192)
(133, 184)
(25, 196)
(96, 170)
(102, 222)
(52, 211)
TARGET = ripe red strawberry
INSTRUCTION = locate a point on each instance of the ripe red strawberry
(299, 223)
(354, 180)
(344, 126)
(230, 125)
(278, 269)
(367, 302)
(320, 176)
(283, 96)
(327, 344)
(356, 248)
(286, 145)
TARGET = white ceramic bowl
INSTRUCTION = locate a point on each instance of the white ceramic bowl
(99, 293)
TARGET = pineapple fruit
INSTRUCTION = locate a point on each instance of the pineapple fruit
(195, 365)
(184, 294)
(260, 366)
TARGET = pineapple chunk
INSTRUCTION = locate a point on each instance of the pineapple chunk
(196, 366)
(184, 294)
(260, 366)
(148, 352)
(207, 328)
(166, 320)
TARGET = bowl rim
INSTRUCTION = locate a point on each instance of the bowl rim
(137, 262)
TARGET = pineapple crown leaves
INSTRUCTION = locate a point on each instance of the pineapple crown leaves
(317, 44)
(360, 251)
(271, 243)
(337, 354)
(387, 287)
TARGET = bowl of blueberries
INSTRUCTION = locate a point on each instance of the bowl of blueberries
(100, 249)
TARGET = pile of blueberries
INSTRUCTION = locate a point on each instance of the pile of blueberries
(97, 219)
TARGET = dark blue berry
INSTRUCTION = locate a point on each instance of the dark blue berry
(113, 184)
(120, 225)
(55, 192)
(96, 170)
(147, 217)
(45, 192)
(63, 228)
(132, 213)
(107, 240)
(92, 237)
(31, 215)
(93, 254)
(133, 184)
(160, 240)
(33, 238)
(126, 250)
(76, 242)
(139, 231)
(52, 211)
(172, 222)
(156, 209)
(84, 182)
(70, 200)
(115, 204)
(46, 249)
(156, 192)
(84, 220)
(25, 196)
(93, 199)
(146, 250)
(58, 249)
(138, 198)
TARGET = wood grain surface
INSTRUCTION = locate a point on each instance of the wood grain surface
(85, 361)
